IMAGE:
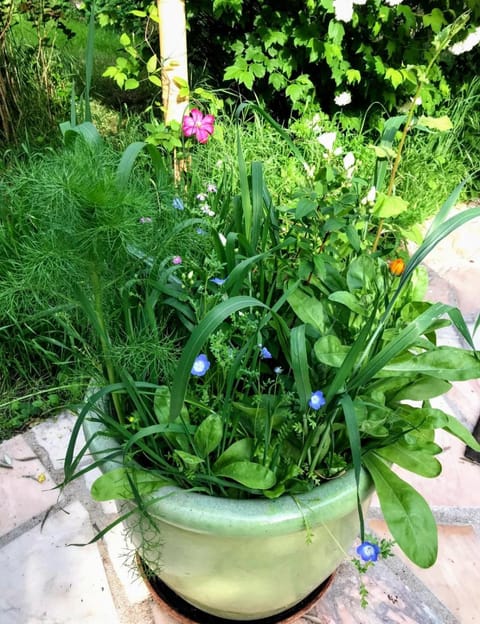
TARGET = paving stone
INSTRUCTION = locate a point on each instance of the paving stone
(392, 599)
(43, 580)
(122, 556)
(54, 435)
(463, 400)
(455, 578)
(22, 495)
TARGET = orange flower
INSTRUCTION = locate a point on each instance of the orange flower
(397, 266)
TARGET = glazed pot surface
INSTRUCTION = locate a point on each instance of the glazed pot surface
(246, 559)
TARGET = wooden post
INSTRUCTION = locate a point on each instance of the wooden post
(173, 56)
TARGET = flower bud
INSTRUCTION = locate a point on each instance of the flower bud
(397, 266)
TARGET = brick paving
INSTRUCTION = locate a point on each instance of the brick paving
(45, 580)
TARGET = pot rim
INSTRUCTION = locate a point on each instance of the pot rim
(203, 513)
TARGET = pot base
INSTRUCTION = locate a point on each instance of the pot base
(185, 613)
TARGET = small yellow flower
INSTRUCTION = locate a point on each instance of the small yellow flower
(41, 477)
(397, 266)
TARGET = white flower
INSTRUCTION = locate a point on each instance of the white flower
(343, 99)
(349, 163)
(370, 197)
(343, 10)
(206, 210)
(309, 170)
(393, 3)
(327, 139)
(467, 44)
(337, 151)
(361, 1)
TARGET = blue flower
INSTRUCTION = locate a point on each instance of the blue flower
(177, 203)
(278, 370)
(200, 366)
(368, 551)
(265, 353)
(218, 280)
(317, 400)
(200, 231)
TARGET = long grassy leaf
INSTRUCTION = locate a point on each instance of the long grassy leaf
(89, 60)
(244, 190)
(281, 131)
(258, 216)
(405, 339)
(299, 363)
(199, 336)
(356, 449)
(446, 207)
(125, 166)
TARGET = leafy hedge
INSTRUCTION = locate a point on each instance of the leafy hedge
(299, 50)
(294, 52)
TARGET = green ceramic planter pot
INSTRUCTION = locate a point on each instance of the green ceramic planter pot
(247, 559)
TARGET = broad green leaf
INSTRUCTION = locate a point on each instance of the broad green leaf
(407, 514)
(413, 459)
(389, 206)
(115, 484)
(238, 451)
(347, 299)
(180, 82)
(152, 64)
(250, 474)
(383, 151)
(456, 428)
(442, 123)
(208, 435)
(435, 19)
(190, 461)
(308, 309)
(131, 83)
(427, 387)
(330, 351)
(353, 237)
(444, 362)
(155, 80)
(395, 76)
(304, 207)
(161, 407)
(361, 273)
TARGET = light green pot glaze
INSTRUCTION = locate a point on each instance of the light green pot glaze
(247, 559)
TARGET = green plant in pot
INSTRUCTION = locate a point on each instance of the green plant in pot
(298, 337)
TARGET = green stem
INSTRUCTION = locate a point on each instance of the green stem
(455, 27)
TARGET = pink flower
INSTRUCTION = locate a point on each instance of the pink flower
(177, 260)
(198, 125)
